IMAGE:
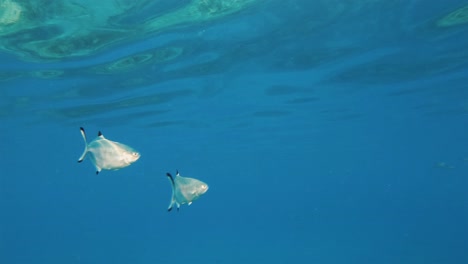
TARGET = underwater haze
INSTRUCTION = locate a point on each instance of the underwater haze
(328, 131)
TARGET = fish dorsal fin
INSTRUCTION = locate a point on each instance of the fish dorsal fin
(100, 135)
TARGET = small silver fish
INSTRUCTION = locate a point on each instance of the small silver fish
(107, 154)
(185, 190)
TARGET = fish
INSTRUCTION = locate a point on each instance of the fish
(107, 154)
(185, 190)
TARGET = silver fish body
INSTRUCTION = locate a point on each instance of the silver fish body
(185, 190)
(107, 154)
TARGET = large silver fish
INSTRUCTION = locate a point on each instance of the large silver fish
(107, 154)
(185, 190)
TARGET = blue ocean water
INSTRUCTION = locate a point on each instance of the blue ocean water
(328, 131)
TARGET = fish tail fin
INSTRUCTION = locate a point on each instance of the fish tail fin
(171, 204)
(171, 179)
(83, 134)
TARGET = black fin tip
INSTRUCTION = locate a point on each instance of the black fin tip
(170, 177)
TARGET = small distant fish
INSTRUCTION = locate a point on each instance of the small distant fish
(107, 154)
(442, 164)
(185, 190)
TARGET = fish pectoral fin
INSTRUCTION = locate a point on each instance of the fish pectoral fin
(98, 170)
(189, 203)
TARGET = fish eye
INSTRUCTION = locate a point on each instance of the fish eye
(135, 153)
